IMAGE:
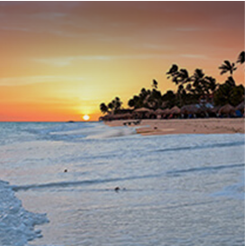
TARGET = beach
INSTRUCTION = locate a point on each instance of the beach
(184, 126)
(177, 189)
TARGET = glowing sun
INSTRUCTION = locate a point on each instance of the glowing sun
(86, 117)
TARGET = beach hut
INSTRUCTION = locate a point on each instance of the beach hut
(107, 117)
(214, 112)
(142, 110)
(189, 110)
(125, 116)
(166, 113)
(175, 110)
(240, 107)
(159, 113)
(142, 113)
(227, 110)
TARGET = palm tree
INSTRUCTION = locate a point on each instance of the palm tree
(111, 106)
(103, 108)
(241, 57)
(198, 81)
(229, 94)
(117, 103)
(169, 98)
(154, 84)
(131, 103)
(210, 84)
(179, 77)
(227, 67)
(155, 99)
(173, 72)
(230, 81)
(143, 93)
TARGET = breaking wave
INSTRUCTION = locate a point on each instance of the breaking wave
(16, 223)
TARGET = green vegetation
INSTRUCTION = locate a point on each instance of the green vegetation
(191, 89)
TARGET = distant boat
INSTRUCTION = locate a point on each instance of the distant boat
(71, 121)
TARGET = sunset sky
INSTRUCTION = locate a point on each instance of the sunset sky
(60, 60)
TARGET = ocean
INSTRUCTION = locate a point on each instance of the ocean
(58, 180)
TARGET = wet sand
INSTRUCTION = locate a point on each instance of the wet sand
(185, 126)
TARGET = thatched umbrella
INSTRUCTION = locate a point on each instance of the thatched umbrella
(159, 111)
(227, 110)
(143, 110)
(107, 117)
(241, 106)
(166, 111)
(122, 116)
(189, 109)
(175, 110)
(143, 113)
(213, 111)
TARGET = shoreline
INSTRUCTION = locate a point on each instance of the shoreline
(184, 126)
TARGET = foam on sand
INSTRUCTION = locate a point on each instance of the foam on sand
(113, 132)
(16, 223)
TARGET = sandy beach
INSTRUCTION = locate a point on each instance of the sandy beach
(185, 126)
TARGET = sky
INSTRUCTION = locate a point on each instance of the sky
(60, 60)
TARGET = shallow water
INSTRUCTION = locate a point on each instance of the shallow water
(174, 189)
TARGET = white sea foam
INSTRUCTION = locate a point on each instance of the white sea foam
(16, 224)
(113, 132)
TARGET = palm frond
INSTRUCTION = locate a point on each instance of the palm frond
(173, 69)
(241, 57)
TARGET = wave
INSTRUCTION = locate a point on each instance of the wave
(16, 223)
(208, 146)
(66, 184)
(77, 131)
(113, 132)
(201, 169)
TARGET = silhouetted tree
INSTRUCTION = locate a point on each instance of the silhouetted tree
(173, 72)
(103, 108)
(237, 95)
(230, 81)
(180, 77)
(227, 67)
(189, 89)
(154, 99)
(117, 103)
(198, 82)
(154, 84)
(114, 105)
(221, 96)
(138, 100)
(211, 84)
(169, 98)
(111, 106)
(131, 103)
(241, 57)
(228, 93)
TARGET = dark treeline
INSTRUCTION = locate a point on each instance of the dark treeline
(191, 89)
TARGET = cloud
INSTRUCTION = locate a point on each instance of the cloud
(195, 56)
(66, 61)
(44, 3)
(16, 81)
(188, 29)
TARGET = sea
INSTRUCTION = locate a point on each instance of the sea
(88, 184)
